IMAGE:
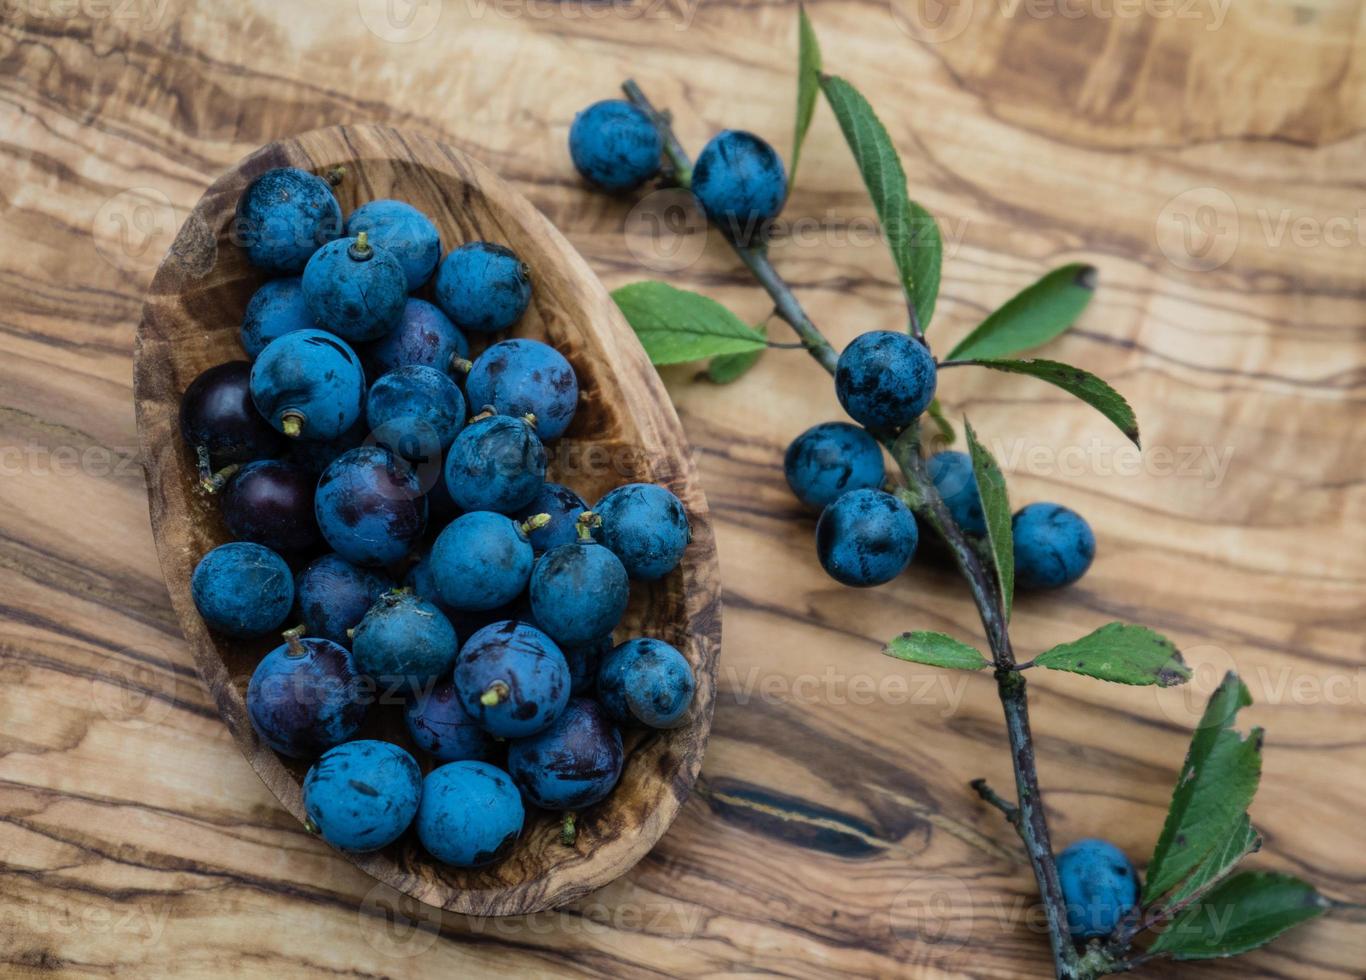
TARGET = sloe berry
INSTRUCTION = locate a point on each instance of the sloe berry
(614, 145)
(242, 589)
(483, 287)
(306, 696)
(283, 217)
(404, 232)
(470, 815)
(885, 379)
(866, 537)
(831, 459)
(308, 384)
(355, 289)
(1054, 546)
(362, 795)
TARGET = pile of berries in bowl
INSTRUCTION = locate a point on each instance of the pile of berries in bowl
(383, 459)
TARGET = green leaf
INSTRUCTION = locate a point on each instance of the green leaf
(1212, 794)
(941, 422)
(991, 487)
(1033, 316)
(937, 650)
(676, 326)
(1217, 863)
(1121, 654)
(731, 367)
(1246, 911)
(1075, 381)
(911, 232)
(808, 84)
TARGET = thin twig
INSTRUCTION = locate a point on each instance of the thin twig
(755, 257)
(682, 164)
(924, 499)
(1011, 811)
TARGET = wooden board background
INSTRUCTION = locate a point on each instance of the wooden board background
(1207, 159)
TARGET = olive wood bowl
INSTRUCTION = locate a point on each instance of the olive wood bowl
(625, 430)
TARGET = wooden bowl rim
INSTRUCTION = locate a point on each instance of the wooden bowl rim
(702, 610)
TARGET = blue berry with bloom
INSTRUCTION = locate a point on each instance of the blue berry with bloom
(283, 217)
(513, 678)
(1099, 884)
(480, 561)
(740, 182)
(470, 815)
(830, 459)
(645, 526)
(865, 538)
(496, 463)
(404, 640)
(362, 795)
(1054, 546)
(355, 289)
(526, 377)
(404, 232)
(308, 384)
(614, 145)
(579, 592)
(277, 308)
(648, 682)
(885, 379)
(483, 287)
(415, 411)
(242, 589)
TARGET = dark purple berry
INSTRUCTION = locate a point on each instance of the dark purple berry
(271, 502)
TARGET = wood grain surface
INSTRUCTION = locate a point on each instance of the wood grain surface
(1205, 157)
(624, 430)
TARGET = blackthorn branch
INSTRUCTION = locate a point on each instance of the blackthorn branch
(922, 497)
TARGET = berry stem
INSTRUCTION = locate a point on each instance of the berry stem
(585, 524)
(533, 523)
(569, 830)
(360, 249)
(496, 694)
(922, 497)
(755, 257)
(292, 423)
(209, 481)
(293, 640)
(678, 157)
(1010, 810)
(460, 365)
